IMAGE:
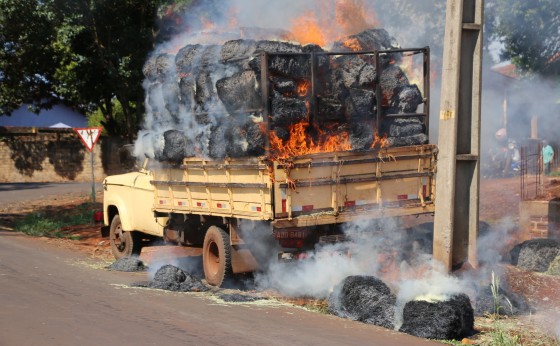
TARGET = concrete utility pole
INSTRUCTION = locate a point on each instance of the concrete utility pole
(458, 171)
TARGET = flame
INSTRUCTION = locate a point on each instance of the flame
(331, 20)
(306, 29)
(300, 143)
(303, 88)
(379, 141)
(352, 44)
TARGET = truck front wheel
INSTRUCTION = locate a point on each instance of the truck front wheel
(216, 256)
(123, 243)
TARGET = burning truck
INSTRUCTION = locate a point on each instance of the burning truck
(256, 141)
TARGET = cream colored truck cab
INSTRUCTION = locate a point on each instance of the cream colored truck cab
(128, 212)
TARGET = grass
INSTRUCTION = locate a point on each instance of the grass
(51, 224)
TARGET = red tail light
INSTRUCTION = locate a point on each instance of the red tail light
(291, 243)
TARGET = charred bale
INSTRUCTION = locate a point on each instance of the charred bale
(171, 278)
(418, 139)
(128, 264)
(256, 139)
(230, 138)
(282, 133)
(271, 47)
(188, 58)
(159, 67)
(537, 254)
(402, 126)
(355, 72)
(367, 40)
(443, 320)
(506, 303)
(329, 110)
(287, 111)
(294, 66)
(283, 85)
(204, 91)
(360, 104)
(239, 92)
(170, 92)
(366, 299)
(406, 99)
(239, 50)
(174, 148)
(361, 135)
(187, 93)
(392, 80)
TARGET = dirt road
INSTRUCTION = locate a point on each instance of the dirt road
(54, 296)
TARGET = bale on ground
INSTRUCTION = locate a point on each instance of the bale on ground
(128, 264)
(366, 299)
(442, 320)
(171, 278)
(537, 254)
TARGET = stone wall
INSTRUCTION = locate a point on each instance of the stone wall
(48, 155)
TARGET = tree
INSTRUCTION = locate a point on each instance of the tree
(529, 31)
(85, 53)
(27, 56)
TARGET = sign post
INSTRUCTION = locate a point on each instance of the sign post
(90, 136)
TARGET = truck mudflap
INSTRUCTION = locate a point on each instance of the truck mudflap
(104, 231)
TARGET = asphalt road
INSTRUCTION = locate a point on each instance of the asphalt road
(19, 192)
(54, 296)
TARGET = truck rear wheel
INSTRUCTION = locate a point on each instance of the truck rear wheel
(216, 256)
(123, 243)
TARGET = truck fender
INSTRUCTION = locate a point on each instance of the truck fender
(121, 209)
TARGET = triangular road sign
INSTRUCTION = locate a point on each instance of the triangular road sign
(89, 136)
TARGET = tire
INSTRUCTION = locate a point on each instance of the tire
(123, 243)
(216, 256)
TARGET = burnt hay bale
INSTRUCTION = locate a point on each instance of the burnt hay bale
(188, 58)
(127, 264)
(418, 139)
(159, 67)
(442, 320)
(204, 91)
(367, 40)
(256, 139)
(239, 92)
(392, 80)
(187, 93)
(171, 278)
(508, 303)
(365, 299)
(360, 104)
(537, 254)
(174, 147)
(406, 99)
(355, 72)
(360, 135)
(329, 110)
(238, 50)
(283, 85)
(402, 126)
(272, 47)
(287, 111)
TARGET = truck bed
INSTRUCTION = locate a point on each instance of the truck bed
(309, 190)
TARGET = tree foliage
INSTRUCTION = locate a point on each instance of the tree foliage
(85, 53)
(530, 33)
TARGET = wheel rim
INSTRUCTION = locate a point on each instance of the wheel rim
(213, 258)
(119, 239)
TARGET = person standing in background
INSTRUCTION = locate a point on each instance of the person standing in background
(547, 156)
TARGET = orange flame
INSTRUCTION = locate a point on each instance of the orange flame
(306, 30)
(300, 143)
(303, 88)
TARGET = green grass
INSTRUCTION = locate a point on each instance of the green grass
(42, 224)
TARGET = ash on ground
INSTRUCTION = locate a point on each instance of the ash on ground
(238, 298)
(128, 264)
(171, 278)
